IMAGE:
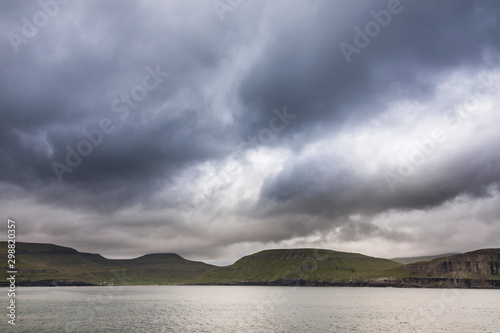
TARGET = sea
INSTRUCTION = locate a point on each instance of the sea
(239, 309)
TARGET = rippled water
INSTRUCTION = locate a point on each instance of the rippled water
(252, 309)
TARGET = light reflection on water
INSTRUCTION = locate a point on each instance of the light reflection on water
(252, 309)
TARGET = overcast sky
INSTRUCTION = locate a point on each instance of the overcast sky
(215, 129)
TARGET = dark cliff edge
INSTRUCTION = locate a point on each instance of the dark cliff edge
(476, 269)
(478, 264)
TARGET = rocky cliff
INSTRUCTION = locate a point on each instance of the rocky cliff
(480, 264)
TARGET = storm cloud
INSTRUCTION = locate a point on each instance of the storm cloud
(215, 129)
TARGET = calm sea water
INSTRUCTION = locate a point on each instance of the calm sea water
(252, 309)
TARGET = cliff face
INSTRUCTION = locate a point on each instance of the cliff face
(447, 283)
(480, 264)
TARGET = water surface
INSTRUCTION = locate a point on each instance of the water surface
(252, 309)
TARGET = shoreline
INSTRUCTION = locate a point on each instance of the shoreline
(416, 283)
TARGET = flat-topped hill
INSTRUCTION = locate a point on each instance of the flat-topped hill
(48, 264)
(297, 266)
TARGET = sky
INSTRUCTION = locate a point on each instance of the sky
(216, 129)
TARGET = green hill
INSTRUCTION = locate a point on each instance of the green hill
(48, 264)
(298, 266)
(477, 269)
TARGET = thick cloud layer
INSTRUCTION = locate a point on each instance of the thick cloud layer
(221, 128)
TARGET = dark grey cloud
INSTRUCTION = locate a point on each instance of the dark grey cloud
(307, 70)
(313, 187)
(163, 157)
(65, 80)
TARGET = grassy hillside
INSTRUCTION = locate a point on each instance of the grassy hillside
(63, 265)
(411, 260)
(287, 266)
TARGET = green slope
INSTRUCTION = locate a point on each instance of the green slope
(52, 264)
(301, 266)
